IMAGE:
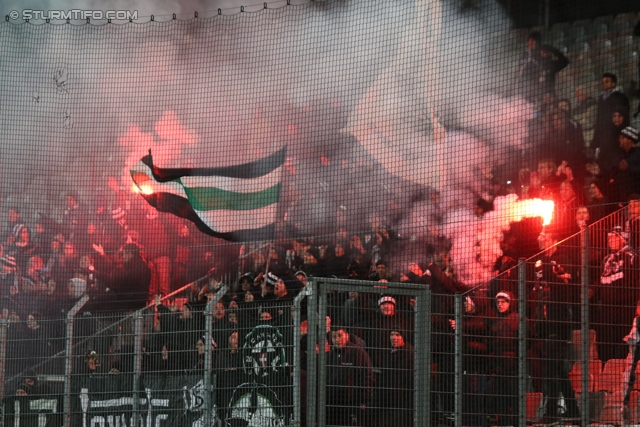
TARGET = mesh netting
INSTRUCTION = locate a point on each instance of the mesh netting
(169, 188)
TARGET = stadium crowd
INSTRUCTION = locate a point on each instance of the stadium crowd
(125, 255)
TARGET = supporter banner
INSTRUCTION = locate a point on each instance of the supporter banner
(263, 352)
(254, 404)
(169, 401)
(164, 401)
(33, 411)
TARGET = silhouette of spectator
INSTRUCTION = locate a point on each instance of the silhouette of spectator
(539, 65)
(585, 111)
(393, 394)
(610, 100)
(627, 178)
(636, 32)
(632, 226)
(503, 345)
(611, 296)
(349, 380)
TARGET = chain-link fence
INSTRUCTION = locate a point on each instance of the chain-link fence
(551, 339)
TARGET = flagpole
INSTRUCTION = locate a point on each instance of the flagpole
(429, 15)
(266, 268)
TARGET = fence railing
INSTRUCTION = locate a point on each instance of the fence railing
(551, 340)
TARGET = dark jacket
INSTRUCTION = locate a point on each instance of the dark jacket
(349, 376)
(394, 382)
(130, 283)
(604, 129)
(503, 344)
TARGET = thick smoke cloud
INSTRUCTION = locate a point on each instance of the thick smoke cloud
(82, 103)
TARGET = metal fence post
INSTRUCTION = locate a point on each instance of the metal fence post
(422, 394)
(209, 398)
(68, 369)
(297, 410)
(137, 363)
(585, 341)
(312, 359)
(522, 343)
(322, 357)
(458, 361)
(4, 325)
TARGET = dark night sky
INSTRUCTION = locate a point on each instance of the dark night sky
(526, 13)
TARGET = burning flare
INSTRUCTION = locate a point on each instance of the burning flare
(475, 241)
(536, 208)
(141, 184)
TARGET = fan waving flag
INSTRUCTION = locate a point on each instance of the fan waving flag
(237, 203)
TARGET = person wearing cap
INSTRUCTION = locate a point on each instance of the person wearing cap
(375, 331)
(302, 277)
(613, 297)
(349, 380)
(503, 347)
(628, 176)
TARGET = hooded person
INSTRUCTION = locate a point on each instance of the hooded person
(228, 366)
(179, 333)
(627, 179)
(277, 263)
(338, 260)
(393, 392)
(130, 281)
(314, 262)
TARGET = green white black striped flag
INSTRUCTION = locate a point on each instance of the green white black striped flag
(236, 203)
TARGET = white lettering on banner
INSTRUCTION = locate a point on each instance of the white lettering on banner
(41, 406)
(161, 418)
(120, 420)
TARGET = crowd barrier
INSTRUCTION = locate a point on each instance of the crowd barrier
(347, 352)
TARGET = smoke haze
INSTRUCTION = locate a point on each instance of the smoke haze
(340, 83)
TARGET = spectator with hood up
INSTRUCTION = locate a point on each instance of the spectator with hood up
(130, 280)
